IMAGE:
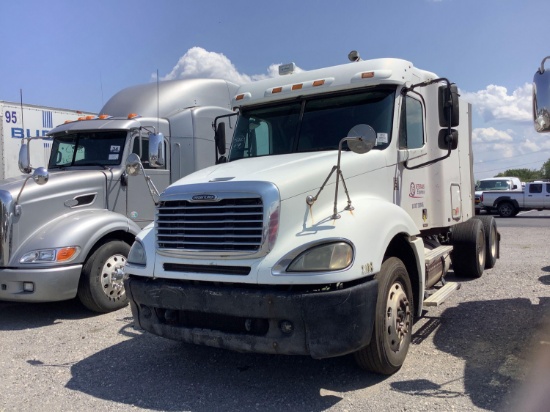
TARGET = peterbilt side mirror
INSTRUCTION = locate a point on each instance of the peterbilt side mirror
(41, 176)
(23, 162)
(448, 106)
(541, 98)
(156, 150)
(133, 164)
(219, 138)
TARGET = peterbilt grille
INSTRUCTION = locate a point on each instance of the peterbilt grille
(225, 225)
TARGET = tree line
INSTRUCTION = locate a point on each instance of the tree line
(529, 175)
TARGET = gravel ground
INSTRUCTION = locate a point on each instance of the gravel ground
(473, 353)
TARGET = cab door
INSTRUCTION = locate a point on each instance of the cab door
(140, 203)
(535, 196)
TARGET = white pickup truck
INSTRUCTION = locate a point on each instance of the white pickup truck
(494, 183)
(536, 195)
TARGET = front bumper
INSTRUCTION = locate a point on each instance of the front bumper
(48, 284)
(320, 324)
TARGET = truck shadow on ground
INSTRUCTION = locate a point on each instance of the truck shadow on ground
(158, 374)
(496, 340)
(15, 315)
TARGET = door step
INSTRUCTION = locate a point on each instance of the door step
(442, 293)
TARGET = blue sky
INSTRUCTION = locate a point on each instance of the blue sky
(76, 55)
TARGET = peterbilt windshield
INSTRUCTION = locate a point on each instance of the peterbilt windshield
(88, 149)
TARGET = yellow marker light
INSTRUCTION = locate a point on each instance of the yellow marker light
(103, 116)
(277, 90)
(81, 118)
(239, 97)
(132, 115)
(318, 83)
(90, 117)
(297, 86)
(367, 75)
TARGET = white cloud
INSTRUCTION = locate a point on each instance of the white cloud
(200, 63)
(491, 135)
(495, 103)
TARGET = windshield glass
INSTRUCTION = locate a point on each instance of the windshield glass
(312, 124)
(87, 149)
(494, 185)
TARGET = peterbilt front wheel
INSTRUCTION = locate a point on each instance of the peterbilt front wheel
(101, 287)
(393, 322)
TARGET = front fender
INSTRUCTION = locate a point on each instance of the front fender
(370, 227)
(81, 228)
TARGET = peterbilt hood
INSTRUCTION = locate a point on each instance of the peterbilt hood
(293, 174)
(61, 186)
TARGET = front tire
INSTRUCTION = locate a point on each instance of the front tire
(101, 287)
(393, 321)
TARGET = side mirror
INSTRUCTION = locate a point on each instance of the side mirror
(133, 164)
(444, 138)
(361, 138)
(219, 138)
(24, 164)
(541, 98)
(448, 106)
(41, 176)
(156, 150)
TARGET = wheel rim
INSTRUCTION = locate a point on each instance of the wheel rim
(493, 242)
(506, 209)
(480, 249)
(398, 317)
(111, 277)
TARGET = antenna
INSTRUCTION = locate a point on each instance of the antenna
(22, 112)
(158, 103)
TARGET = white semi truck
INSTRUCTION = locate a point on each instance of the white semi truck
(66, 230)
(20, 121)
(347, 194)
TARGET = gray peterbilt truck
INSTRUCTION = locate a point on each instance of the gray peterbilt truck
(66, 231)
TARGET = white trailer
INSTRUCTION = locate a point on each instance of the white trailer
(27, 120)
(347, 195)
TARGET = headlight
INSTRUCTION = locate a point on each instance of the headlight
(331, 256)
(137, 254)
(59, 255)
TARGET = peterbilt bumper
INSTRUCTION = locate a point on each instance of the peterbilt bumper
(319, 324)
(48, 284)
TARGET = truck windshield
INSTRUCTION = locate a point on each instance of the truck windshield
(87, 149)
(312, 123)
(494, 185)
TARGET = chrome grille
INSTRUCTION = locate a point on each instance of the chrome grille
(224, 225)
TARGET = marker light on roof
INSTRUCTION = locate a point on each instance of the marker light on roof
(132, 115)
(90, 117)
(103, 116)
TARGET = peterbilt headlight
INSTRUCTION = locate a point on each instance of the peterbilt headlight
(58, 255)
(137, 254)
(330, 256)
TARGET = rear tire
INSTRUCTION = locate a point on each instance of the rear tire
(393, 321)
(468, 255)
(491, 240)
(101, 287)
(506, 209)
